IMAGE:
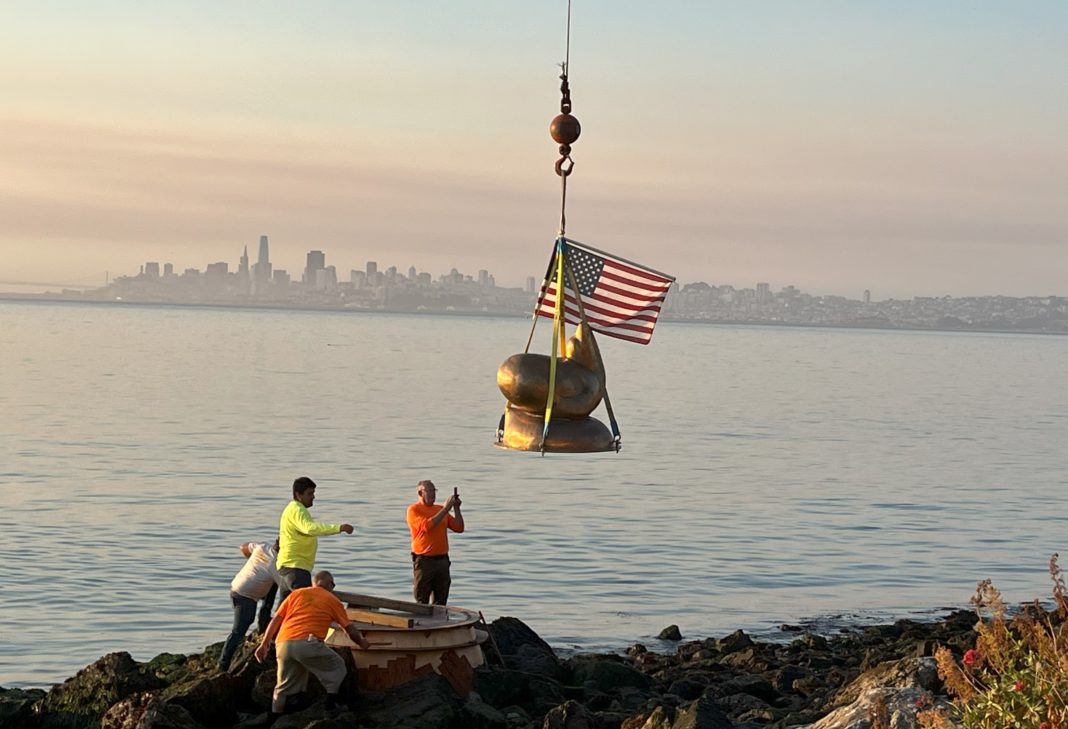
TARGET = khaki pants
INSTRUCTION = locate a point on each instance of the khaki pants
(298, 658)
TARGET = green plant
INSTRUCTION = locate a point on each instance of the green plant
(1016, 676)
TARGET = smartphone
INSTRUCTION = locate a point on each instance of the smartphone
(455, 491)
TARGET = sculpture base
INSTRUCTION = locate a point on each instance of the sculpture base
(522, 432)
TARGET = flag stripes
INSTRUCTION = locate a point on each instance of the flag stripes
(621, 300)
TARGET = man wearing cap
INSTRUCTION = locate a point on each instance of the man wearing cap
(300, 625)
(298, 537)
(257, 580)
(429, 525)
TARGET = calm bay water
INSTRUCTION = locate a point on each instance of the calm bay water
(768, 475)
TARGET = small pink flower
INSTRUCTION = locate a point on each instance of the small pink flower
(1044, 725)
(970, 657)
(1019, 686)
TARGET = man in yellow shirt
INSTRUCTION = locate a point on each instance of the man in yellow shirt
(300, 625)
(429, 525)
(298, 538)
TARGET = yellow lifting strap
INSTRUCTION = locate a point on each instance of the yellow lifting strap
(558, 337)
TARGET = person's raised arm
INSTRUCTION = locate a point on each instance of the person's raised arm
(458, 518)
(437, 518)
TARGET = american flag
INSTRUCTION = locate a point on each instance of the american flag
(621, 299)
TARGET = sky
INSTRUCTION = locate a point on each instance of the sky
(908, 148)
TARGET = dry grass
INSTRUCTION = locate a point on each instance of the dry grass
(1016, 676)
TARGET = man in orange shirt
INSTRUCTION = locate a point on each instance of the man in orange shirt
(429, 525)
(301, 624)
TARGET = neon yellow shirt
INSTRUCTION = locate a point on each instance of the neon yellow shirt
(298, 537)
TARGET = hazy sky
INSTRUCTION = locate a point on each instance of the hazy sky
(911, 148)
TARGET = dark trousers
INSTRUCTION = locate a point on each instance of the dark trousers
(244, 614)
(431, 578)
(293, 578)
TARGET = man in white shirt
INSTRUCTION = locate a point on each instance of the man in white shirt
(257, 580)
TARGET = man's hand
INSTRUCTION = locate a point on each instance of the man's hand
(347, 528)
(261, 651)
(357, 636)
(449, 502)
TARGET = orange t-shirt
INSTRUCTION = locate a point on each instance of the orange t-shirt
(428, 540)
(310, 610)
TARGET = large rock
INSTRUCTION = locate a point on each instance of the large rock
(702, 714)
(607, 674)
(898, 707)
(751, 685)
(893, 689)
(16, 708)
(504, 687)
(428, 702)
(81, 701)
(477, 714)
(147, 711)
(661, 717)
(569, 715)
(736, 641)
(917, 673)
(211, 700)
(522, 648)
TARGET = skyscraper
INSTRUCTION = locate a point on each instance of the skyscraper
(262, 269)
(316, 262)
(242, 268)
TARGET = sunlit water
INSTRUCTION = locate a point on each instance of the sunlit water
(768, 475)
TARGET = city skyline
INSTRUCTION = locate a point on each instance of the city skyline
(265, 282)
(264, 268)
(914, 147)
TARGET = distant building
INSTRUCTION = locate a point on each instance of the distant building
(261, 272)
(215, 274)
(531, 286)
(152, 270)
(281, 278)
(483, 277)
(411, 273)
(372, 269)
(242, 266)
(763, 292)
(358, 278)
(316, 261)
(168, 269)
(867, 296)
(326, 278)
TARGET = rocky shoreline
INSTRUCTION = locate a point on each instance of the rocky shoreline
(882, 673)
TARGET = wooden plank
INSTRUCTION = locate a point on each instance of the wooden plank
(381, 602)
(376, 618)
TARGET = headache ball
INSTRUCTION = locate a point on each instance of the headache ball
(565, 129)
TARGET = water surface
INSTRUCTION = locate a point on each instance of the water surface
(768, 475)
